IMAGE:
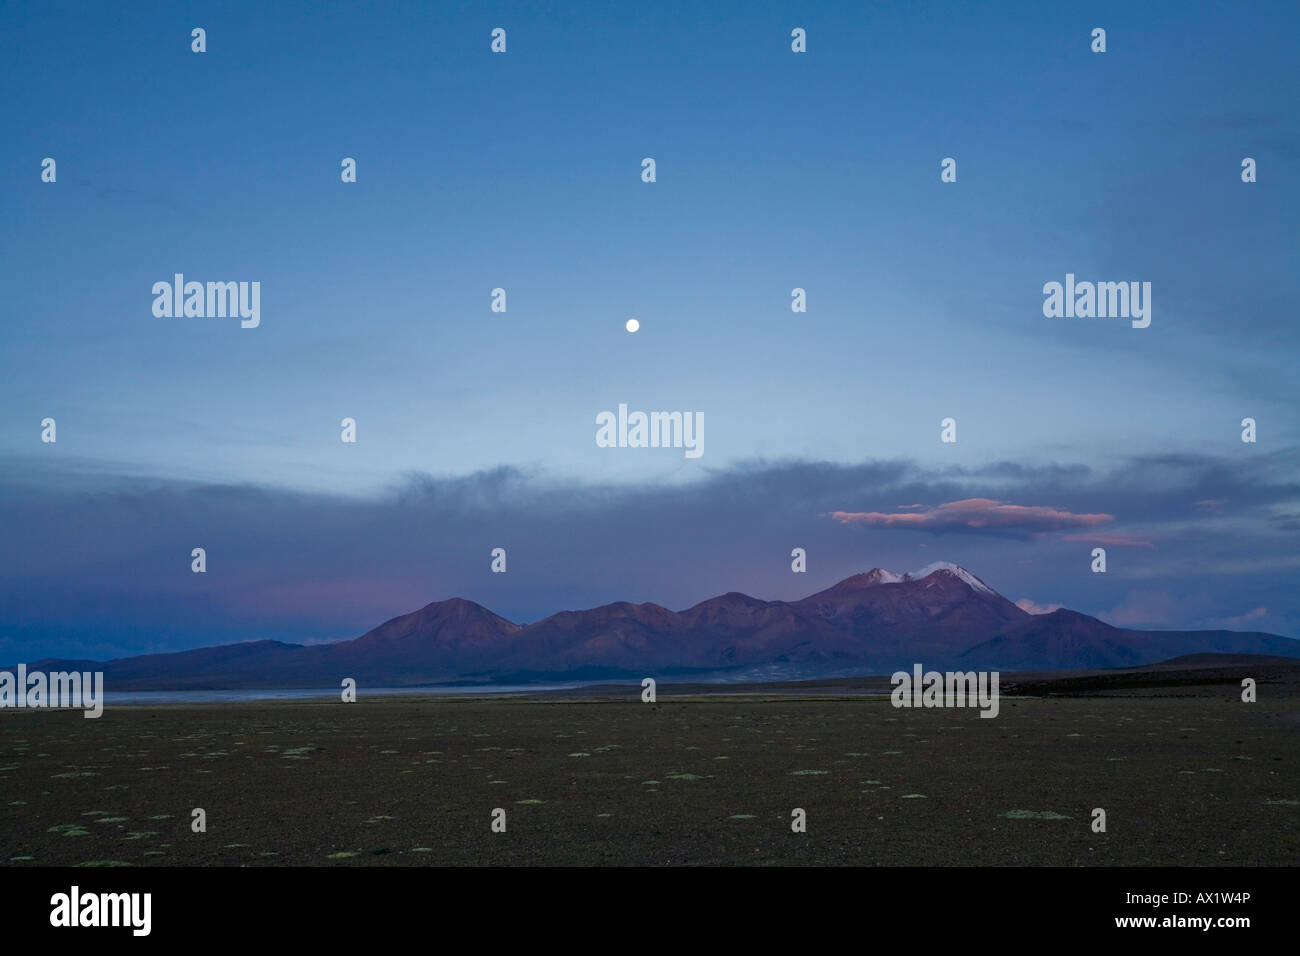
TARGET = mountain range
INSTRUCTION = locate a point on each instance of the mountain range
(871, 623)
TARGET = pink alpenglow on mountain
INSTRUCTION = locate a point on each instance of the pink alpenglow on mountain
(870, 623)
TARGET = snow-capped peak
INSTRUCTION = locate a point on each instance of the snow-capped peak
(961, 573)
(882, 576)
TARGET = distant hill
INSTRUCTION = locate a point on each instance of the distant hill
(872, 623)
(1068, 640)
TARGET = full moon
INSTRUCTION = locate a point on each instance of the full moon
(633, 325)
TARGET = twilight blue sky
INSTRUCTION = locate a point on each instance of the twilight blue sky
(775, 170)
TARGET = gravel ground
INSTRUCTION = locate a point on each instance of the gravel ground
(1193, 778)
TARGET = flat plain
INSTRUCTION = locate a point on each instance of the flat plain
(1186, 772)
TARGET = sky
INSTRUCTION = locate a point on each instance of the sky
(775, 170)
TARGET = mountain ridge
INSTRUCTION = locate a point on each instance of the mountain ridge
(873, 622)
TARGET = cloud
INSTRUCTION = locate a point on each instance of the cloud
(1033, 607)
(1146, 609)
(1236, 120)
(1251, 619)
(1112, 539)
(977, 514)
(96, 560)
(1287, 522)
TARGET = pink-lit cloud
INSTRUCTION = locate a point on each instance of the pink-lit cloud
(977, 514)
(1033, 607)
